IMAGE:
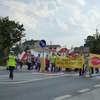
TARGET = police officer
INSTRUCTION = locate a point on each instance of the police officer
(11, 64)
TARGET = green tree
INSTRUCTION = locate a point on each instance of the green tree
(10, 32)
(93, 42)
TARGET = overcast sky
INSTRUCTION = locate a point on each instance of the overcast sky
(64, 22)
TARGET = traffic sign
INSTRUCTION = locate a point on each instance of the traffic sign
(42, 43)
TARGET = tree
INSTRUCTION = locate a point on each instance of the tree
(10, 32)
(93, 42)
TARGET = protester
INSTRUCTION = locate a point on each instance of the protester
(17, 62)
(33, 61)
(47, 63)
(21, 64)
(37, 63)
(29, 61)
(52, 62)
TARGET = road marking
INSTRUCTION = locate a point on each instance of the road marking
(84, 90)
(48, 74)
(54, 74)
(32, 80)
(27, 81)
(97, 85)
(62, 97)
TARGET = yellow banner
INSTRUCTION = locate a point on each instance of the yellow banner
(62, 62)
(76, 62)
(70, 62)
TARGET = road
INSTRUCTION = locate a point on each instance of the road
(39, 86)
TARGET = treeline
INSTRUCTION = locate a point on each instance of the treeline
(93, 42)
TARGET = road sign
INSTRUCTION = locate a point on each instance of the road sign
(42, 43)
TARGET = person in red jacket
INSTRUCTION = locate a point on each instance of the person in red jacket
(46, 63)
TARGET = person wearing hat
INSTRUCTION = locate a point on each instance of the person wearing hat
(11, 64)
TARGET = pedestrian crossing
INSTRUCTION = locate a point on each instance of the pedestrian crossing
(37, 76)
(31, 77)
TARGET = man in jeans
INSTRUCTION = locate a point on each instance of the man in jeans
(47, 63)
(38, 63)
(29, 61)
(52, 61)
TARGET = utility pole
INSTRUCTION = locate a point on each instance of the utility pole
(97, 33)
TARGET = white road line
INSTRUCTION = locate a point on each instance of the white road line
(62, 97)
(84, 90)
(97, 85)
(37, 73)
(55, 74)
(32, 80)
(27, 81)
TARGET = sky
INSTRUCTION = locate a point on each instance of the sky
(64, 22)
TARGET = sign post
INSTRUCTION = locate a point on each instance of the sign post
(42, 44)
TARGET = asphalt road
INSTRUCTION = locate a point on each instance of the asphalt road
(30, 86)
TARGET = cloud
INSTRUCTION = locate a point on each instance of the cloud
(4, 7)
(63, 25)
(54, 20)
(81, 2)
(71, 3)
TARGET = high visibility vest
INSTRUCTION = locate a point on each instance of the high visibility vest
(52, 59)
(11, 61)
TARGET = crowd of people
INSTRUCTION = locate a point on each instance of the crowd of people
(34, 62)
